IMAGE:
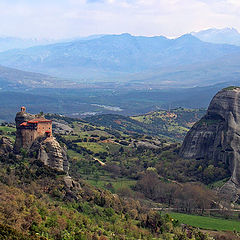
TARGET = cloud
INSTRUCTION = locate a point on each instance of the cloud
(95, 1)
(71, 18)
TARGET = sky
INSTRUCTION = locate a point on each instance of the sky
(59, 19)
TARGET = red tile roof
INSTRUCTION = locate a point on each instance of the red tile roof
(36, 120)
(39, 120)
(32, 121)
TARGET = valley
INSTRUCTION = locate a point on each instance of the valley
(129, 137)
(144, 171)
(80, 103)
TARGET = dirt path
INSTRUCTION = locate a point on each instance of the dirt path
(99, 161)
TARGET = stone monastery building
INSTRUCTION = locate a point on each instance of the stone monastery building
(29, 130)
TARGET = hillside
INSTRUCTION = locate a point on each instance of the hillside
(118, 57)
(39, 203)
(174, 123)
(119, 181)
(13, 79)
(126, 155)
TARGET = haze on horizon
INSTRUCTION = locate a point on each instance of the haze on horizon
(59, 19)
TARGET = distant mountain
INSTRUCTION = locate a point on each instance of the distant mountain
(8, 43)
(120, 58)
(221, 36)
(13, 79)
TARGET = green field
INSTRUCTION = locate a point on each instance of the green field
(95, 147)
(209, 223)
(117, 184)
(7, 129)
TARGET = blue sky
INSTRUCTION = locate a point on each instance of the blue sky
(74, 18)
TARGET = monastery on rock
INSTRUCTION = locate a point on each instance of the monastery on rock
(30, 127)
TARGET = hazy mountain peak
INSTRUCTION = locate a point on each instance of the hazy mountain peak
(188, 36)
(222, 36)
(122, 36)
(218, 31)
(126, 35)
(187, 39)
(230, 30)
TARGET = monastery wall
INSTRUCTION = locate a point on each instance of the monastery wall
(44, 127)
(28, 137)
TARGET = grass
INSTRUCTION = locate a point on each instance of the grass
(231, 88)
(12, 138)
(179, 129)
(99, 133)
(95, 147)
(209, 223)
(7, 129)
(71, 137)
(218, 183)
(73, 154)
(117, 184)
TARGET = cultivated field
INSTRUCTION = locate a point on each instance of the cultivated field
(210, 223)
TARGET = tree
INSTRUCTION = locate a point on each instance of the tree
(96, 176)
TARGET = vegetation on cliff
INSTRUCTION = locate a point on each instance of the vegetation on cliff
(230, 88)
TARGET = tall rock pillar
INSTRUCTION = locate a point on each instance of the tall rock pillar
(217, 137)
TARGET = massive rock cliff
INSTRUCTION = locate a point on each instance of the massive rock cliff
(217, 137)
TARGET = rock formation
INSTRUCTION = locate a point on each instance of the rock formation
(61, 127)
(6, 145)
(49, 151)
(34, 134)
(217, 137)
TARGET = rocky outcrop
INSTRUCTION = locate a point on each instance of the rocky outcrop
(6, 145)
(61, 127)
(49, 151)
(217, 137)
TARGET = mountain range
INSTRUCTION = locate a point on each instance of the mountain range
(182, 61)
(197, 59)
